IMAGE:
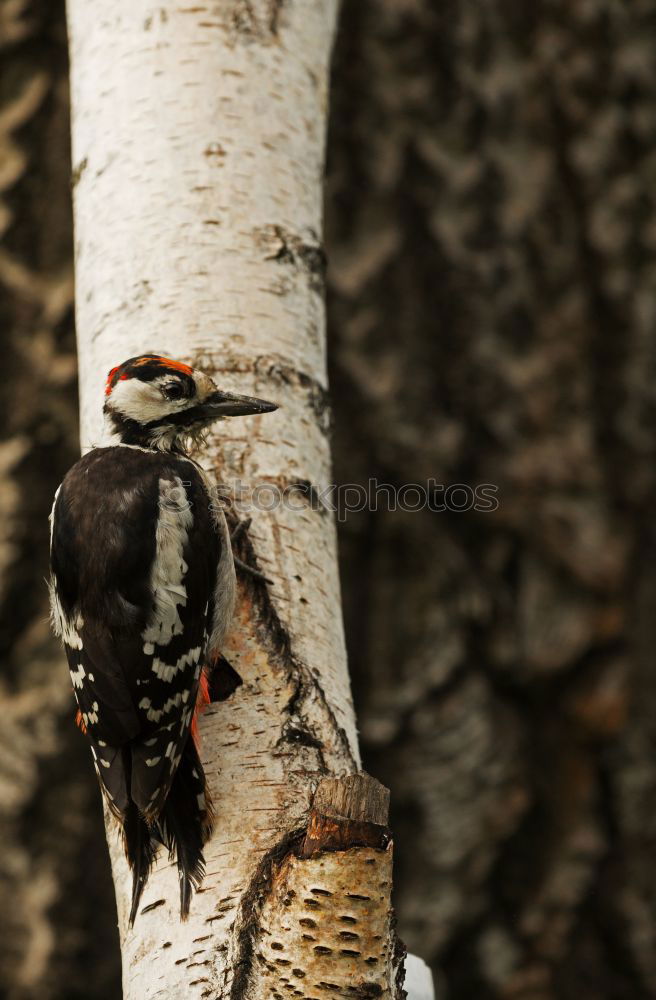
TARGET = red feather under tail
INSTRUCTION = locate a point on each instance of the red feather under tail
(202, 701)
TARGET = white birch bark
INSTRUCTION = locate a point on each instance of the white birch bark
(198, 140)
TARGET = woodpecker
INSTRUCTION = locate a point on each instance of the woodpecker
(142, 589)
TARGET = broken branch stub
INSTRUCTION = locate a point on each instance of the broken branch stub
(348, 812)
(327, 925)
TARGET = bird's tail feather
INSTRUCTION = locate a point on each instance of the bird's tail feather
(185, 823)
(140, 849)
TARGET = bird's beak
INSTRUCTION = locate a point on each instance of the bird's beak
(230, 404)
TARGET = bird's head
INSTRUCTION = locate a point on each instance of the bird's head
(155, 402)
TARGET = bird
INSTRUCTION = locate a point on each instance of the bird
(142, 588)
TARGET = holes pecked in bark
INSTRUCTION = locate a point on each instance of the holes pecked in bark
(300, 736)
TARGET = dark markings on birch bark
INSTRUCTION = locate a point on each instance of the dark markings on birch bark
(285, 247)
(76, 175)
(256, 20)
(318, 397)
(275, 638)
(250, 907)
(273, 369)
(275, 10)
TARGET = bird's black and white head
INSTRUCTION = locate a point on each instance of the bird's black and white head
(154, 402)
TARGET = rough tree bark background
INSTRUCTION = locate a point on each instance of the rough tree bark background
(53, 879)
(491, 238)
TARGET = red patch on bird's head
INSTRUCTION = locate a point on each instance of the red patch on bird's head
(111, 379)
(157, 359)
(130, 369)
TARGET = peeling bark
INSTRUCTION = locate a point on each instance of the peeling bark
(325, 922)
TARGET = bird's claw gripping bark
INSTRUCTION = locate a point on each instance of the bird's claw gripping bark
(245, 568)
(239, 529)
(236, 534)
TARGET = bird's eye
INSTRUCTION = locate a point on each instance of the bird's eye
(173, 390)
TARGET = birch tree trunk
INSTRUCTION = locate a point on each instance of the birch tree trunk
(198, 141)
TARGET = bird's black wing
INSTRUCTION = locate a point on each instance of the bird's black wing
(134, 555)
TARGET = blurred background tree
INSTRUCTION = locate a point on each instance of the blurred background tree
(491, 235)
